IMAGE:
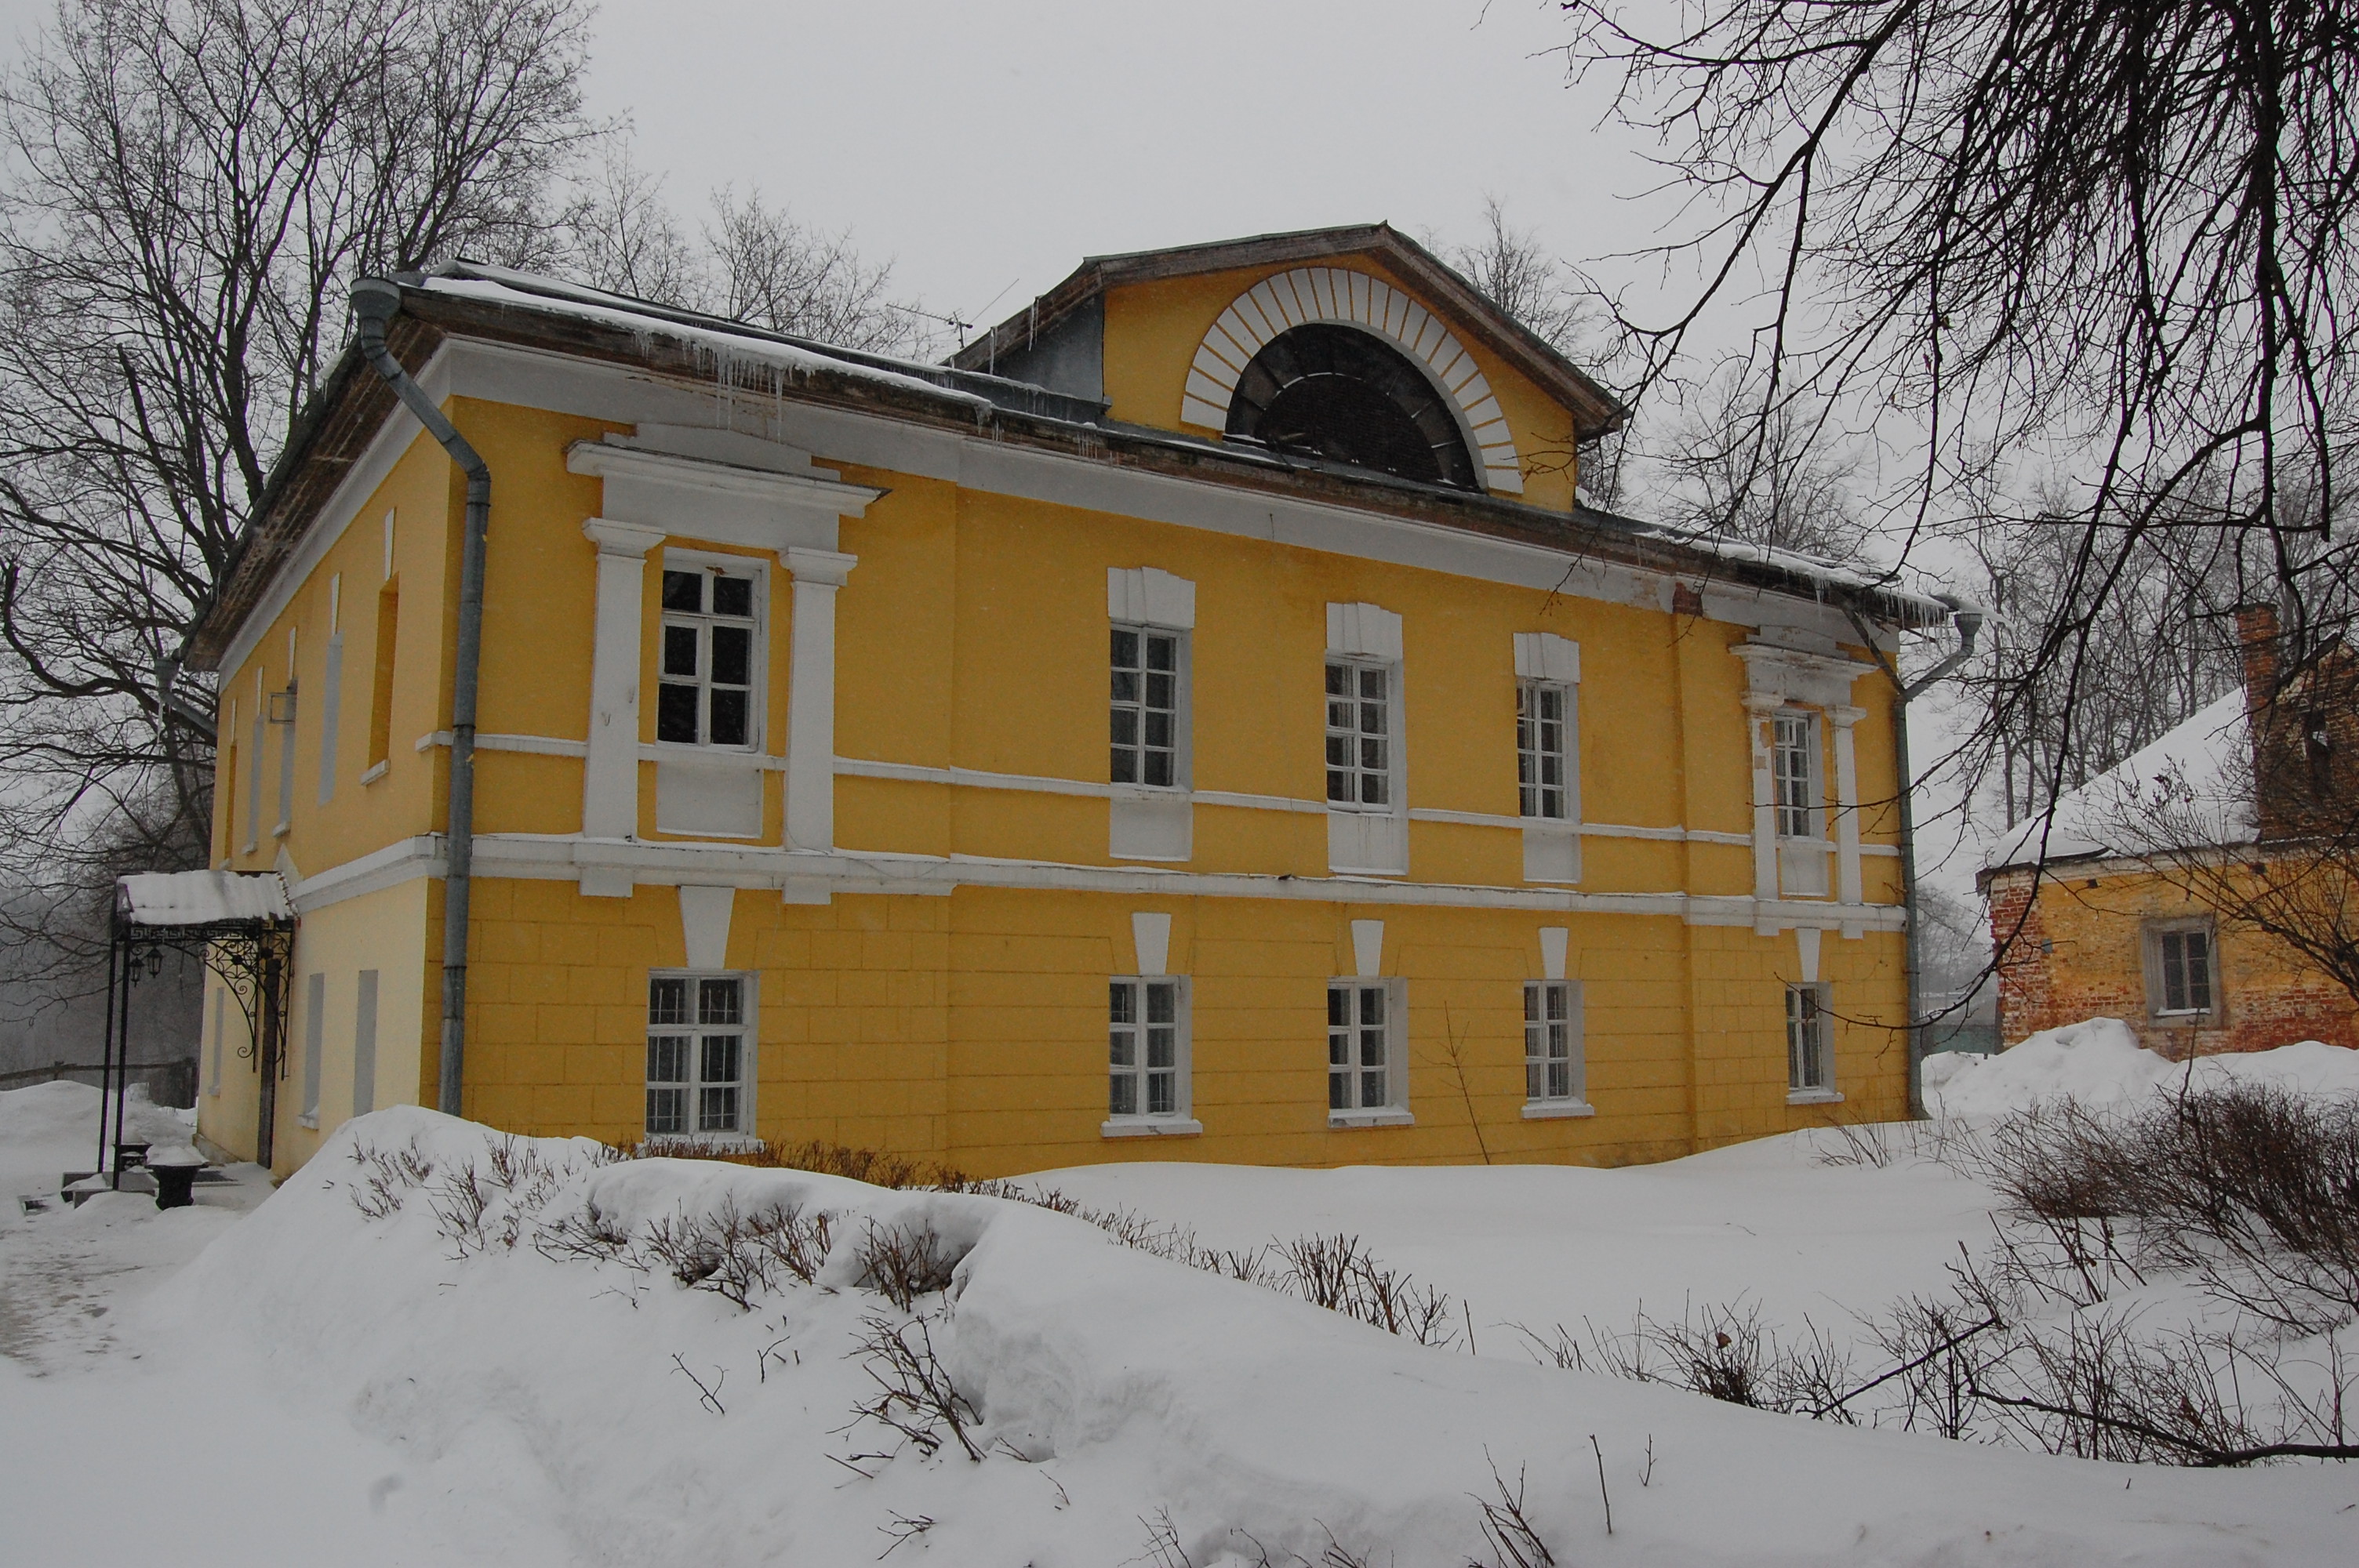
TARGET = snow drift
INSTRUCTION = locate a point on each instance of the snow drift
(2101, 1063)
(495, 1309)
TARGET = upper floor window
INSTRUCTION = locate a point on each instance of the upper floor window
(1543, 755)
(699, 1056)
(1145, 715)
(709, 658)
(1359, 734)
(1794, 764)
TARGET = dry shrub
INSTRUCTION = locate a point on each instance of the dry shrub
(2252, 1189)
(903, 1262)
(915, 1394)
(1725, 1353)
(741, 1255)
(1336, 1272)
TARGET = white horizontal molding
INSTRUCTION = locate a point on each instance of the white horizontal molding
(1149, 597)
(810, 877)
(541, 745)
(977, 778)
(1557, 1110)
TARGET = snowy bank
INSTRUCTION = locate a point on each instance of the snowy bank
(2100, 1061)
(503, 1325)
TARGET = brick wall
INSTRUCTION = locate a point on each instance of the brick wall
(2078, 952)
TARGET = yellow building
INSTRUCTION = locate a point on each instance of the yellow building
(1202, 722)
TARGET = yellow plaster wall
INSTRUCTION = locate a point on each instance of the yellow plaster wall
(421, 494)
(384, 930)
(1153, 330)
(971, 1028)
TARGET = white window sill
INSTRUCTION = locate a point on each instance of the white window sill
(309, 1119)
(1151, 1127)
(1370, 1119)
(711, 756)
(1814, 1097)
(376, 770)
(1557, 1110)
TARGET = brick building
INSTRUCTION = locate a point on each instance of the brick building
(2136, 900)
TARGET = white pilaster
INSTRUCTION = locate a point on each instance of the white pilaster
(610, 773)
(1847, 877)
(810, 700)
(1758, 710)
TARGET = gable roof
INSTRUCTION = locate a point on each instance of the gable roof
(1438, 287)
(2210, 754)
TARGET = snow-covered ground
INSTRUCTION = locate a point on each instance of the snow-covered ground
(454, 1382)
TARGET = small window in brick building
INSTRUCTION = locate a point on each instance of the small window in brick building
(2183, 970)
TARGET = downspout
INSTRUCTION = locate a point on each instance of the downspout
(1969, 621)
(376, 301)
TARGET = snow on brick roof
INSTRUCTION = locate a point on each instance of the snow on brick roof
(2209, 753)
(201, 898)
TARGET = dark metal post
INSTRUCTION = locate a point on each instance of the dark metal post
(106, 1047)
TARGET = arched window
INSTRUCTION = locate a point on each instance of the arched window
(1333, 393)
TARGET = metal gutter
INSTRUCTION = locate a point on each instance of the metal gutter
(376, 301)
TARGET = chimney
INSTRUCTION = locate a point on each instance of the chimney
(2256, 640)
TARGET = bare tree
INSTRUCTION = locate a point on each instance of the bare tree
(188, 186)
(621, 235)
(2119, 234)
(1762, 472)
(1515, 270)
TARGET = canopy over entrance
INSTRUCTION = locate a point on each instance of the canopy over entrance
(239, 926)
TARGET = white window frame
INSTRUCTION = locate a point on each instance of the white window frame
(1134, 1032)
(1537, 1057)
(745, 1031)
(1810, 811)
(1394, 1026)
(1181, 718)
(1532, 793)
(1810, 1006)
(2155, 942)
(709, 564)
(1357, 666)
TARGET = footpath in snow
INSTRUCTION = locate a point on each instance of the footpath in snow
(439, 1345)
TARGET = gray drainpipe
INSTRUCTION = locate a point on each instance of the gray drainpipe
(1969, 622)
(376, 301)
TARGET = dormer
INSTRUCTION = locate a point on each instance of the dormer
(1353, 348)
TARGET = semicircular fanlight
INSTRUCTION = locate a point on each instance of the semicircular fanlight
(1331, 391)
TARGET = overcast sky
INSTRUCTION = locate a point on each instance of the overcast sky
(988, 147)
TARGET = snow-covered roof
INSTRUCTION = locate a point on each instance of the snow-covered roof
(2208, 759)
(201, 898)
(725, 340)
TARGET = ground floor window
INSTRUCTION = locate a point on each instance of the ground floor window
(1809, 1039)
(1552, 1058)
(699, 1054)
(1147, 1048)
(1363, 1034)
(2183, 970)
